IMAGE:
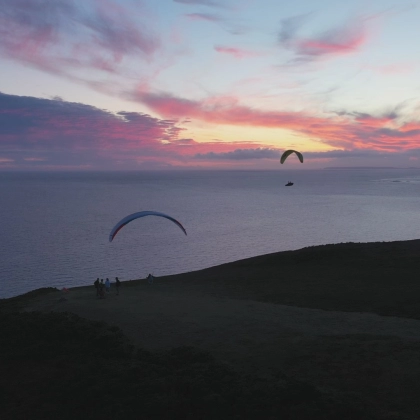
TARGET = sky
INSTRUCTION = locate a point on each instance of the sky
(208, 84)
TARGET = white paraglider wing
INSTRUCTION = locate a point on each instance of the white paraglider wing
(137, 215)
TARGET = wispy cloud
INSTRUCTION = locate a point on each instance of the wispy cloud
(344, 39)
(209, 3)
(290, 26)
(226, 24)
(57, 36)
(236, 52)
(205, 16)
(392, 69)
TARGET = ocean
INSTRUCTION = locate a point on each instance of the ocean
(54, 226)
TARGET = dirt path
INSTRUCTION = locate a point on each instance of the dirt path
(165, 316)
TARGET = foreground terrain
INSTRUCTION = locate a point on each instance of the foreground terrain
(320, 333)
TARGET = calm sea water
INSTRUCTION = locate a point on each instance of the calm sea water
(54, 226)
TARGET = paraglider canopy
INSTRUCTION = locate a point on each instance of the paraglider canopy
(137, 215)
(287, 153)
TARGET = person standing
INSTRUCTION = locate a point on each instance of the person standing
(96, 283)
(117, 285)
(101, 289)
(107, 285)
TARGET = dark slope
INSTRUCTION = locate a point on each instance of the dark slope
(380, 277)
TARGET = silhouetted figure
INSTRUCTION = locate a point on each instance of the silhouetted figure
(101, 289)
(117, 285)
(96, 283)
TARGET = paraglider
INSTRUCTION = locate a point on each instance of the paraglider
(287, 153)
(137, 215)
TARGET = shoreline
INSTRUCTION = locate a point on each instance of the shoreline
(376, 277)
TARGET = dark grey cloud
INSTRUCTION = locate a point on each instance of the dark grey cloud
(184, 142)
(399, 134)
(267, 153)
(241, 154)
(52, 131)
(360, 116)
(344, 154)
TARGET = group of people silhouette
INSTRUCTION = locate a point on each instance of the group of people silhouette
(103, 288)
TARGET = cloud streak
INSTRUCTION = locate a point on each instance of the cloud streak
(205, 16)
(241, 154)
(337, 156)
(235, 52)
(209, 3)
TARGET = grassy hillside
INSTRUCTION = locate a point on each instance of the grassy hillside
(60, 366)
(382, 277)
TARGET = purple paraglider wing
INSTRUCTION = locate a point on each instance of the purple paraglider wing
(137, 215)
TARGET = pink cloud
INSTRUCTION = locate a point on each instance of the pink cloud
(52, 134)
(236, 52)
(221, 110)
(58, 37)
(48, 134)
(344, 130)
(344, 44)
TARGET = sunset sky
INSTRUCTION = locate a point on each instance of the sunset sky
(162, 84)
